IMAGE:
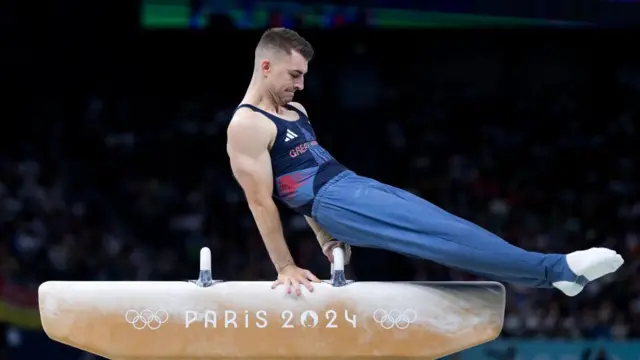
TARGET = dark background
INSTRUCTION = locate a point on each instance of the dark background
(113, 162)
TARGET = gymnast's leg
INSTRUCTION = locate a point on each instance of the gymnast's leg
(364, 212)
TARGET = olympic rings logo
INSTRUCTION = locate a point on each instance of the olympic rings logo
(146, 319)
(395, 318)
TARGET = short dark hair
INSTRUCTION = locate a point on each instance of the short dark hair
(285, 40)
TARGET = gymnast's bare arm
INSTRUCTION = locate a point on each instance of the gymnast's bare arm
(327, 242)
(249, 136)
(322, 236)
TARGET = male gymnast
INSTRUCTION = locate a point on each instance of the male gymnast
(274, 153)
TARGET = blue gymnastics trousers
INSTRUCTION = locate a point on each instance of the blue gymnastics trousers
(363, 212)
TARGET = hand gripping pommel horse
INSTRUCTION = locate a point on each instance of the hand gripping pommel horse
(216, 319)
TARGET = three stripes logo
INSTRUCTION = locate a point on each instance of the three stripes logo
(290, 136)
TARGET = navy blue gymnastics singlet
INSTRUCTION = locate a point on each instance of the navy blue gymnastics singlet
(300, 165)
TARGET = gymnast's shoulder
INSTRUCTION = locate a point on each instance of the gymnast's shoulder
(299, 106)
(248, 123)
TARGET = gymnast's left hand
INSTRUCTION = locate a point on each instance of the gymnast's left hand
(327, 250)
(292, 277)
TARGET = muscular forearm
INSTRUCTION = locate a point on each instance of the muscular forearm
(267, 219)
(321, 235)
(324, 238)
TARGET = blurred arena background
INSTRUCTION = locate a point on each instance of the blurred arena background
(520, 116)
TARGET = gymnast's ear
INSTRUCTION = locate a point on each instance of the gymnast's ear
(266, 66)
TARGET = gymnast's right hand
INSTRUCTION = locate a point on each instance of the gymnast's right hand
(292, 276)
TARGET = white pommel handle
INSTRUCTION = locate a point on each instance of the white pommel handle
(205, 259)
(338, 259)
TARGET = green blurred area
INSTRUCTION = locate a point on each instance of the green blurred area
(174, 14)
(157, 14)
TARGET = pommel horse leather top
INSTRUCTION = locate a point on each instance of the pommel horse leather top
(213, 319)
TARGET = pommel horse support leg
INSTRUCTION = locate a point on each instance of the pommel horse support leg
(210, 319)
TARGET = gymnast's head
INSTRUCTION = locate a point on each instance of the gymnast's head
(281, 61)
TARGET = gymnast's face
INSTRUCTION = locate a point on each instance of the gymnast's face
(284, 75)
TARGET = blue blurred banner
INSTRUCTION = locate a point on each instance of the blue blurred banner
(554, 350)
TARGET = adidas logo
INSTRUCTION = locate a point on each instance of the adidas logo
(290, 136)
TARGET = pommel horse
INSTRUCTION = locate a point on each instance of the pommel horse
(215, 319)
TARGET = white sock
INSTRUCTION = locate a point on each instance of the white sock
(593, 263)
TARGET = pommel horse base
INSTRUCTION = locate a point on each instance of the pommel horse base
(212, 319)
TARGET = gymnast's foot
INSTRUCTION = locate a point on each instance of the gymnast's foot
(592, 264)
